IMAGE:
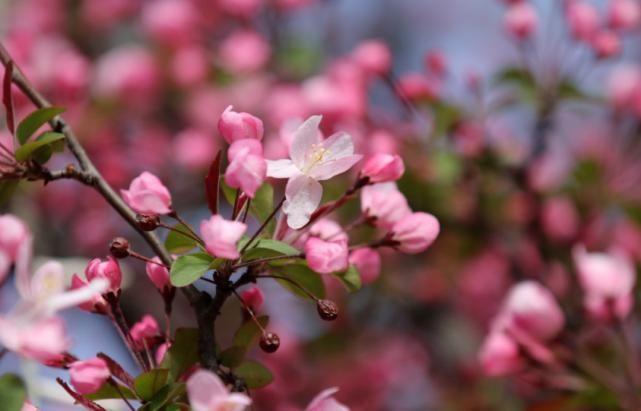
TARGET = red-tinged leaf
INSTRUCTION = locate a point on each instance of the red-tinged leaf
(7, 97)
(80, 399)
(116, 370)
(212, 181)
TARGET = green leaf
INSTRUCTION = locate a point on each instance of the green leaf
(249, 332)
(267, 247)
(34, 121)
(168, 393)
(189, 268)
(233, 356)
(302, 275)
(108, 391)
(255, 374)
(149, 383)
(12, 392)
(7, 188)
(350, 278)
(445, 117)
(262, 206)
(25, 152)
(182, 354)
(178, 243)
(521, 79)
(228, 192)
(569, 91)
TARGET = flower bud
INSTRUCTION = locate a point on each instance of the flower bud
(415, 232)
(368, 263)
(253, 298)
(247, 167)
(382, 168)
(373, 56)
(105, 269)
(147, 195)
(624, 14)
(327, 309)
(326, 256)
(221, 236)
(161, 351)
(119, 247)
(520, 20)
(583, 19)
(148, 222)
(144, 329)
(97, 305)
(238, 126)
(13, 233)
(158, 274)
(385, 204)
(269, 342)
(499, 355)
(606, 44)
(89, 375)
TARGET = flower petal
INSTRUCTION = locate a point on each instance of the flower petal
(77, 296)
(333, 168)
(281, 168)
(338, 145)
(204, 388)
(305, 137)
(303, 195)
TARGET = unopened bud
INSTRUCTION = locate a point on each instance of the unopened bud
(119, 247)
(327, 309)
(269, 342)
(148, 222)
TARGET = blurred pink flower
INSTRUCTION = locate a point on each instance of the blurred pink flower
(560, 218)
(190, 66)
(41, 339)
(415, 232)
(146, 328)
(194, 149)
(383, 168)
(499, 355)
(14, 234)
(583, 19)
(520, 20)
(368, 263)
(373, 56)
(244, 51)
(326, 256)
(207, 392)
(147, 195)
(88, 376)
(240, 8)
(247, 166)
(158, 273)
(606, 44)
(95, 304)
(624, 14)
(170, 22)
(254, 298)
(221, 236)
(416, 86)
(325, 401)
(435, 63)
(238, 126)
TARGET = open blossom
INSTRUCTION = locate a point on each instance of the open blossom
(207, 392)
(383, 168)
(247, 166)
(385, 203)
(326, 256)
(368, 263)
(521, 20)
(109, 269)
(221, 236)
(147, 327)
(607, 280)
(89, 375)
(238, 126)
(40, 339)
(415, 232)
(325, 401)
(158, 273)
(312, 160)
(499, 355)
(147, 195)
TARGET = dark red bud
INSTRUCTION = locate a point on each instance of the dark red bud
(269, 342)
(148, 222)
(119, 247)
(327, 309)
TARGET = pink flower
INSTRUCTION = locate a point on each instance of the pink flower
(373, 56)
(383, 168)
(144, 329)
(560, 219)
(41, 339)
(624, 14)
(623, 86)
(520, 20)
(29, 407)
(158, 274)
(109, 270)
(606, 44)
(13, 234)
(147, 195)
(95, 304)
(169, 22)
(607, 280)
(239, 126)
(583, 19)
(254, 298)
(499, 355)
(435, 63)
(415, 232)
(247, 166)
(160, 352)
(207, 392)
(221, 236)
(325, 401)
(312, 160)
(415, 86)
(368, 263)
(384, 203)
(194, 149)
(326, 256)
(89, 375)
(532, 308)
(244, 51)
(189, 66)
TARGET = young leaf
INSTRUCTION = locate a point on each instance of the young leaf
(232, 357)
(303, 276)
(7, 97)
(179, 243)
(149, 383)
(168, 393)
(255, 374)
(34, 121)
(212, 182)
(108, 391)
(182, 354)
(267, 247)
(12, 392)
(249, 332)
(189, 268)
(263, 202)
(350, 278)
(26, 151)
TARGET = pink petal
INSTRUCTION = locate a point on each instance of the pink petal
(303, 195)
(334, 167)
(305, 137)
(204, 388)
(281, 168)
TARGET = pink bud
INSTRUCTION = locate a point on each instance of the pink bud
(583, 19)
(247, 168)
(368, 263)
(384, 203)
(105, 269)
(161, 351)
(147, 195)
(499, 355)
(146, 328)
(96, 305)
(13, 234)
(416, 86)
(435, 63)
(606, 44)
(89, 375)
(328, 230)
(624, 14)
(169, 22)
(383, 168)
(238, 126)
(373, 56)
(520, 20)
(254, 298)
(244, 51)
(415, 232)
(158, 274)
(560, 219)
(623, 87)
(221, 236)
(326, 256)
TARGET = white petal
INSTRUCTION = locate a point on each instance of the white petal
(303, 195)
(281, 168)
(333, 168)
(338, 145)
(77, 296)
(305, 138)
(48, 280)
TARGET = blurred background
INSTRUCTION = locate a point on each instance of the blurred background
(521, 148)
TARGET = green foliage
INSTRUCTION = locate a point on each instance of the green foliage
(108, 391)
(232, 357)
(302, 275)
(260, 207)
(12, 392)
(350, 278)
(182, 354)
(149, 383)
(178, 243)
(269, 248)
(47, 139)
(445, 117)
(254, 374)
(189, 268)
(34, 121)
(165, 398)
(522, 80)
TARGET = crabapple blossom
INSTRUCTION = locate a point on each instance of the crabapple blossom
(415, 232)
(583, 19)
(325, 401)
(13, 234)
(253, 297)
(383, 168)
(624, 14)
(147, 327)
(326, 256)
(435, 63)
(247, 167)
(88, 376)
(158, 273)
(368, 263)
(238, 126)
(169, 22)
(96, 304)
(194, 149)
(373, 56)
(39, 339)
(244, 51)
(221, 236)
(499, 355)
(207, 392)
(109, 269)
(312, 159)
(147, 195)
(606, 44)
(384, 203)
(520, 20)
